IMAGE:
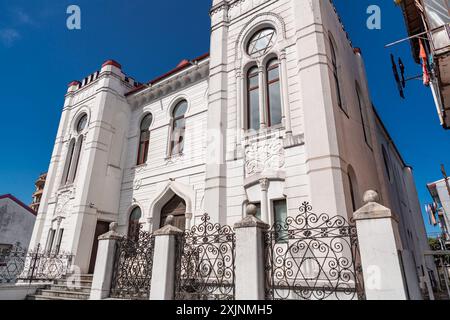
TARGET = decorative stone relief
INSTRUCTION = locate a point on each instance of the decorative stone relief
(263, 155)
(62, 202)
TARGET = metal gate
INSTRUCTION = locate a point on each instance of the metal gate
(313, 257)
(133, 267)
(205, 263)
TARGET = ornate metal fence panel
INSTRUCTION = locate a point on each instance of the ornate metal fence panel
(19, 265)
(133, 267)
(205, 263)
(313, 257)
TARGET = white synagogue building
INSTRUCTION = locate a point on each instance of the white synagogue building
(278, 113)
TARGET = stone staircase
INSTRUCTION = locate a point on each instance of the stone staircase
(60, 291)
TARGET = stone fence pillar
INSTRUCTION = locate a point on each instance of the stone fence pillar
(379, 246)
(104, 264)
(249, 261)
(164, 262)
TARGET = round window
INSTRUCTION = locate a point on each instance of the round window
(261, 42)
(82, 123)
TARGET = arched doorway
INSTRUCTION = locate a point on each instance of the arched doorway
(177, 208)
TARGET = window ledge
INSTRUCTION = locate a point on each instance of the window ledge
(263, 132)
(174, 157)
(66, 187)
(139, 167)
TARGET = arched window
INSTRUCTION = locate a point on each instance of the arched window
(335, 72)
(273, 93)
(178, 128)
(133, 224)
(364, 119)
(253, 118)
(352, 187)
(77, 155)
(74, 152)
(387, 162)
(352, 193)
(69, 158)
(144, 139)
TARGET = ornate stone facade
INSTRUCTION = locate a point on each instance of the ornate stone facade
(308, 153)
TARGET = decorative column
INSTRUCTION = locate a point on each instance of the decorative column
(250, 257)
(379, 246)
(285, 93)
(215, 181)
(104, 265)
(262, 98)
(239, 109)
(163, 273)
(264, 183)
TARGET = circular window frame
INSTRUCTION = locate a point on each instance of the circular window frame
(77, 123)
(253, 34)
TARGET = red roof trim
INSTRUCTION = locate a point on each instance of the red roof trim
(74, 83)
(112, 63)
(180, 67)
(20, 203)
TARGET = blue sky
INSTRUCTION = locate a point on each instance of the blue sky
(39, 56)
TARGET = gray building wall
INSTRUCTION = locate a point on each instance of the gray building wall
(16, 222)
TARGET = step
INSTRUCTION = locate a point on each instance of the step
(56, 287)
(39, 297)
(63, 294)
(83, 277)
(82, 283)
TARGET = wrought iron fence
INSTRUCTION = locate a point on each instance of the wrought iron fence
(313, 257)
(18, 264)
(133, 265)
(206, 263)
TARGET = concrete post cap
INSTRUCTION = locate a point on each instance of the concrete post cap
(170, 220)
(251, 210)
(251, 220)
(112, 234)
(372, 209)
(113, 226)
(371, 196)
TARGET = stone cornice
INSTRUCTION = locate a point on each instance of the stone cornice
(219, 7)
(174, 83)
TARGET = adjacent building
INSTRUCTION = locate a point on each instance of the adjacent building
(16, 223)
(428, 25)
(37, 195)
(278, 113)
(440, 192)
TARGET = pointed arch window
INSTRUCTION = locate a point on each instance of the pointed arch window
(273, 93)
(336, 74)
(144, 139)
(69, 158)
(253, 113)
(134, 225)
(178, 128)
(387, 163)
(74, 151)
(364, 117)
(77, 155)
(352, 183)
